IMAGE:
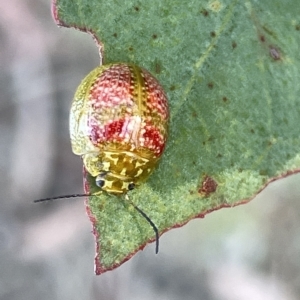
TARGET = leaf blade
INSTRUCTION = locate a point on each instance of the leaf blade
(232, 82)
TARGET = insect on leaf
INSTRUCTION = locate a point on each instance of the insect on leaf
(230, 70)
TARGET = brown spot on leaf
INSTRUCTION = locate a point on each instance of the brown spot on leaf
(157, 67)
(136, 8)
(219, 155)
(208, 186)
(212, 34)
(115, 35)
(252, 130)
(297, 27)
(172, 87)
(233, 44)
(210, 85)
(224, 99)
(130, 48)
(154, 36)
(204, 12)
(274, 52)
(262, 38)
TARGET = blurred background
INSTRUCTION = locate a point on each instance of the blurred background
(47, 250)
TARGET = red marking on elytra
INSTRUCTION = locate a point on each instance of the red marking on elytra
(154, 140)
(156, 96)
(111, 89)
(113, 130)
(95, 134)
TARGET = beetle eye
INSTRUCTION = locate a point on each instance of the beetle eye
(131, 186)
(100, 182)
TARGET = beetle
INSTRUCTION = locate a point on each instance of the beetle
(119, 126)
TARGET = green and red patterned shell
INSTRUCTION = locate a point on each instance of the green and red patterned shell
(119, 125)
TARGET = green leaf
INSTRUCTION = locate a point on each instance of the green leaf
(231, 73)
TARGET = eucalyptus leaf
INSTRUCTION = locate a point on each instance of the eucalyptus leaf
(231, 73)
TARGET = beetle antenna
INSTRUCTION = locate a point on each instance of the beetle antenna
(149, 221)
(61, 197)
(127, 198)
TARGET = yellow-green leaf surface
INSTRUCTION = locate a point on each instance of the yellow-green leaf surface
(231, 73)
